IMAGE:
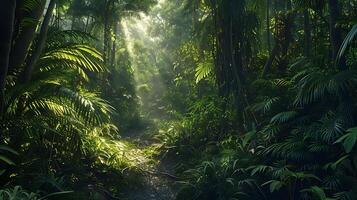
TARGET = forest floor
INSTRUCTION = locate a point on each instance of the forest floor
(157, 180)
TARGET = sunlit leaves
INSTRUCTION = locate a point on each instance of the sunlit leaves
(86, 104)
(202, 60)
(203, 71)
(54, 104)
(79, 57)
(121, 155)
(57, 38)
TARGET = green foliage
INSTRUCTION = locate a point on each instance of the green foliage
(18, 193)
(348, 40)
(348, 140)
(117, 154)
(190, 136)
(318, 193)
(3, 158)
(227, 177)
(203, 71)
(301, 124)
(50, 119)
(194, 66)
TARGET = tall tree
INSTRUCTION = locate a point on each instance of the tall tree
(26, 32)
(268, 2)
(7, 16)
(283, 38)
(107, 29)
(307, 36)
(335, 31)
(40, 44)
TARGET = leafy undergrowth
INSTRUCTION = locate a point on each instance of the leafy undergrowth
(135, 158)
(117, 153)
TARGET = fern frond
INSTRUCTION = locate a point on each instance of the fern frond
(284, 117)
(265, 105)
(203, 71)
(79, 57)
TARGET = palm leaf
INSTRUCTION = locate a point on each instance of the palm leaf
(349, 38)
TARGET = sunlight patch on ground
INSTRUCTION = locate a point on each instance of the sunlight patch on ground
(118, 154)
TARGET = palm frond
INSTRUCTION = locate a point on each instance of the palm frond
(284, 117)
(82, 58)
(266, 105)
(349, 38)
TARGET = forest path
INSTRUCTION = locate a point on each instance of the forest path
(157, 181)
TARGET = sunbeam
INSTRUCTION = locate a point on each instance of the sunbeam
(143, 48)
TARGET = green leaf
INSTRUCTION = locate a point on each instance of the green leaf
(6, 160)
(274, 185)
(55, 194)
(5, 148)
(284, 117)
(333, 165)
(260, 169)
(203, 71)
(318, 192)
(348, 40)
(230, 181)
(349, 140)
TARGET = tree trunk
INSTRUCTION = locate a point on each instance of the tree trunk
(335, 31)
(106, 37)
(7, 17)
(25, 37)
(114, 45)
(270, 60)
(58, 23)
(87, 24)
(40, 43)
(19, 15)
(288, 5)
(308, 36)
(73, 22)
(268, 25)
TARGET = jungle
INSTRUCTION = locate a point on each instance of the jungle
(178, 99)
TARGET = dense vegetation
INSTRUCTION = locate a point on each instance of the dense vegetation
(231, 99)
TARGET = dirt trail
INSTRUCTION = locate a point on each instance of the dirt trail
(157, 180)
(155, 187)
